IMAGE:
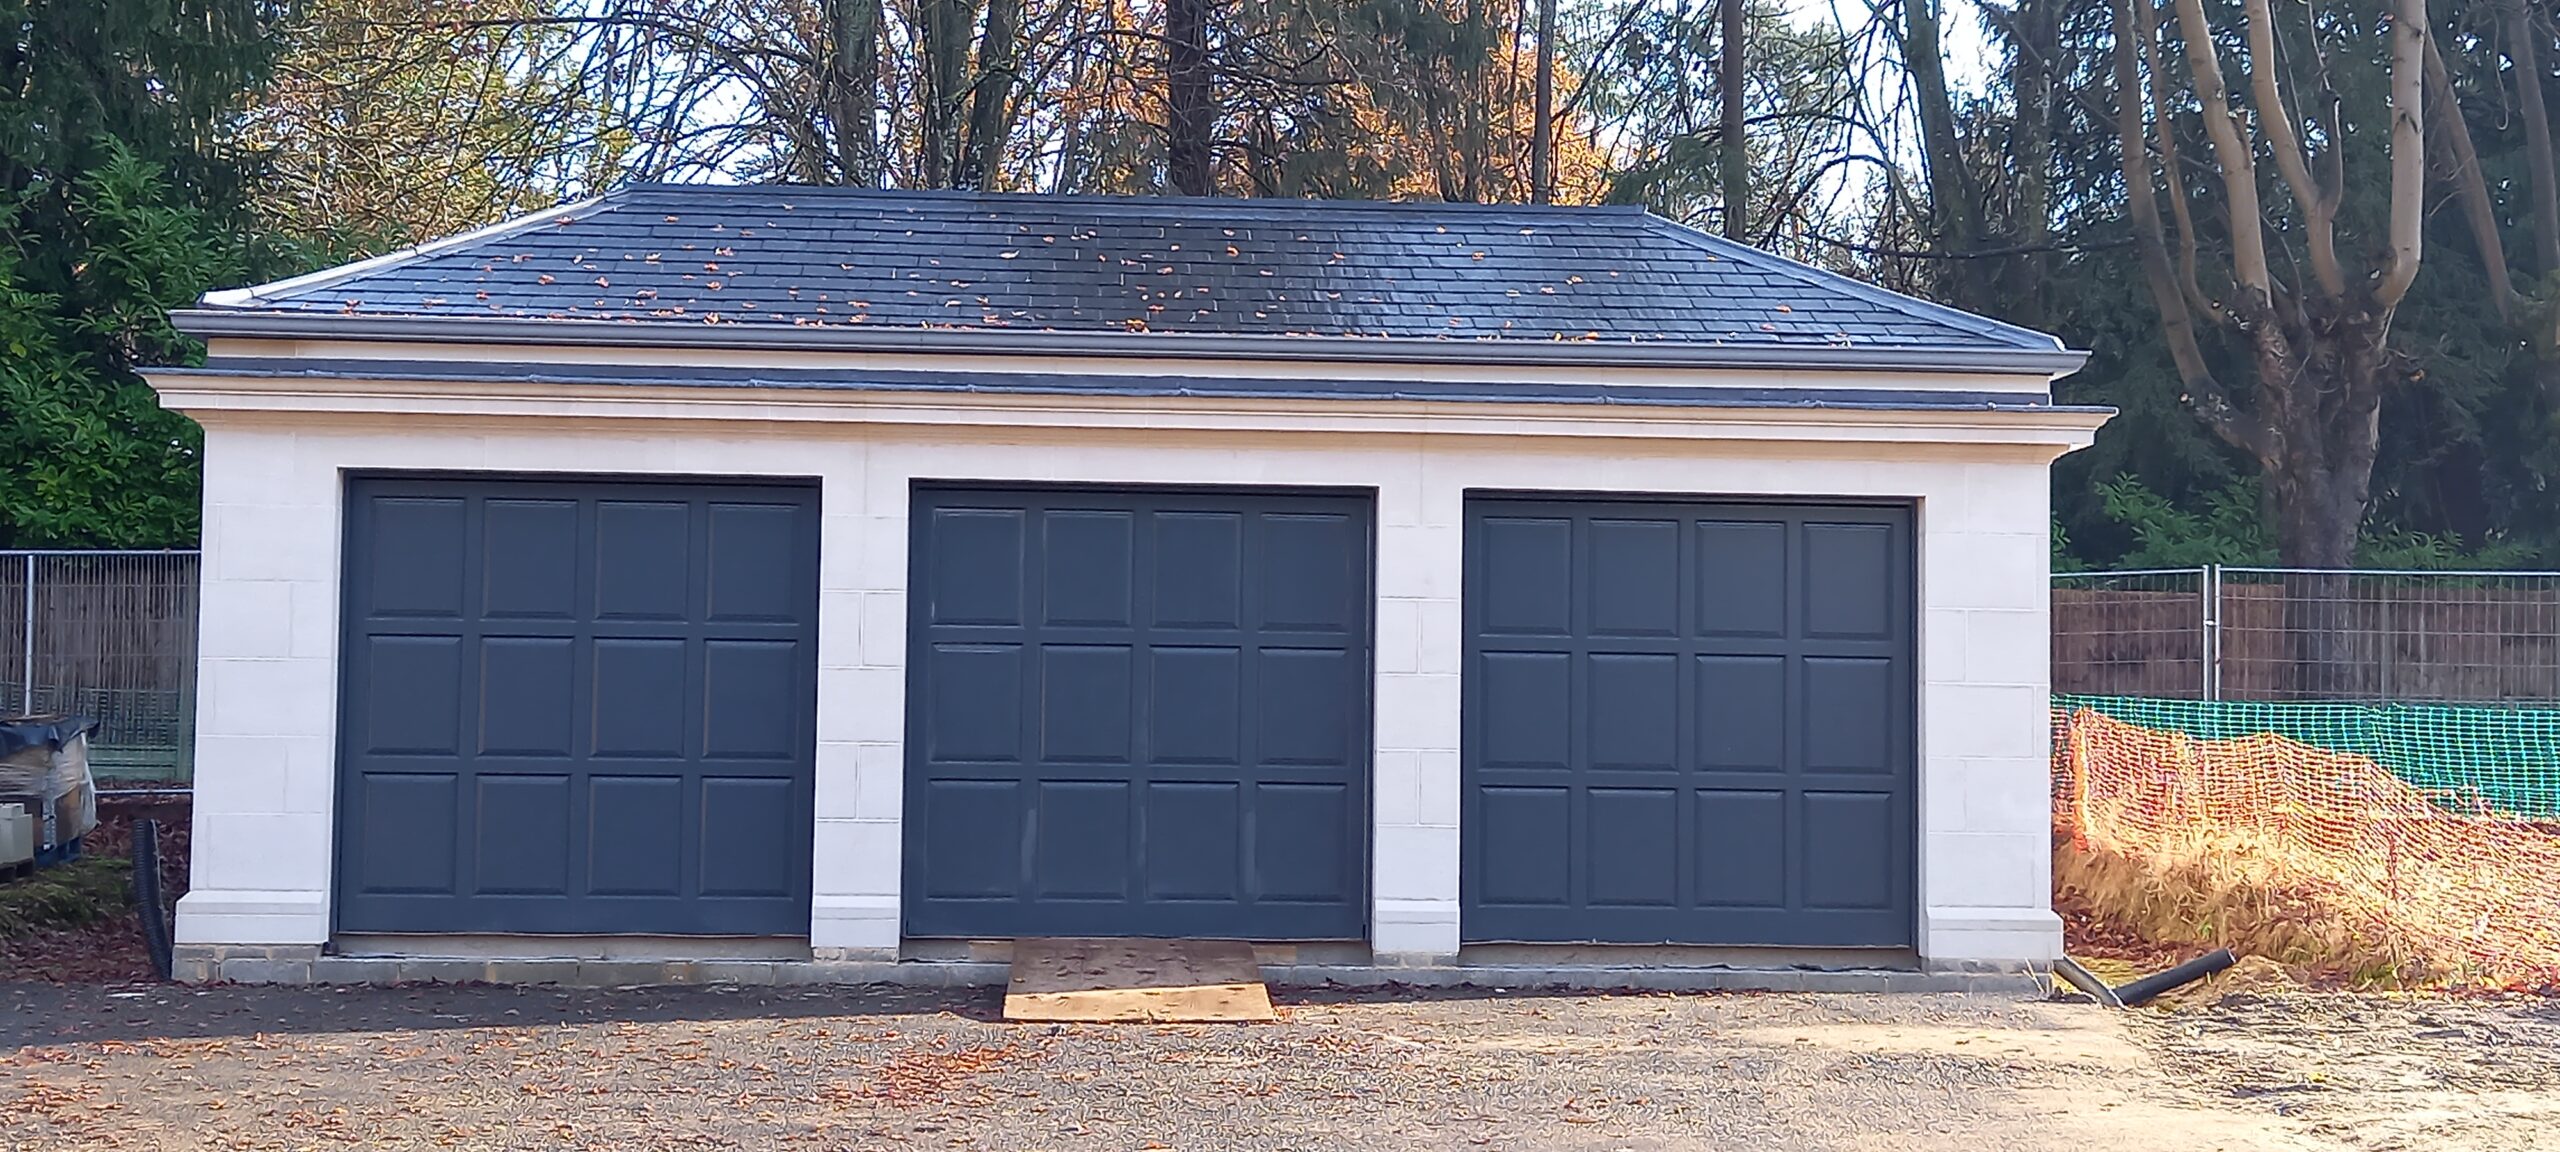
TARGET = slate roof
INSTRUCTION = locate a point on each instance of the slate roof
(709, 264)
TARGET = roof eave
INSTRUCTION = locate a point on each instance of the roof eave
(208, 323)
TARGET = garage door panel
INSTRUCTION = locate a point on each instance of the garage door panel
(751, 690)
(639, 693)
(1084, 703)
(1198, 569)
(1847, 853)
(607, 728)
(531, 570)
(986, 815)
(643, 559)
(1310, 572)
(1187, 755)
(635, 832)
(1634, 586)
(521, 841)
(418, 548)
(1741, 713)
(1195, 840)
(1195, 705)
(973, 704)
(1526, 720)
(527, 695)
(409, 845)
(1634, 710)
(740, 854)
(1302, 837)
(1086, 554)
(1849, 714)
(1715, 748)
(413, 695)
(1526, 567)
(976, 573)
(1634, 846)
(1084, 840)
(1305, 699)
(1741, 573)
(744, 582)
(1519, 849)
(1741, 857)
(1848, 581)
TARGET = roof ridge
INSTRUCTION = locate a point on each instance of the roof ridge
(1126, 200)
(1824, 278)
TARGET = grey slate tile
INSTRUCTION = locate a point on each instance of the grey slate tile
(782, 255)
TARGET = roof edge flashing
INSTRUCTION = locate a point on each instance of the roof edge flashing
(1828, 279)
(237, 323)
(255, 294)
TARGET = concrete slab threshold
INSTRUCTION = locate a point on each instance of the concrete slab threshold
(305, 965)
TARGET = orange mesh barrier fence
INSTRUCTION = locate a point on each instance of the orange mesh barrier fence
(2316, 858)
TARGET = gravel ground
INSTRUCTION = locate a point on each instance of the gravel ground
(2374, 1072)
(866, 1068)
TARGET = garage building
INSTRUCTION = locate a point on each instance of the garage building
(783, 577)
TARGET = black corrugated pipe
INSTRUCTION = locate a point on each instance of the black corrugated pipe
(146, 894)
(2142, 991)
(2086, 981)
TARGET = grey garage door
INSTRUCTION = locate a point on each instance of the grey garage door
(1688, 722)
(577, 707)
(1137, 714)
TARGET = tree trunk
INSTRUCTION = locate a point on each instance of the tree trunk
(1542, 139)
(1951, 200)
(2524, 52)
(2038, 44)
(853, 62)
(991, 98)
(1190, 109)
(944, 25)
(1734, 154)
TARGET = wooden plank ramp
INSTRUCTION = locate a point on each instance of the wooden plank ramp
(1135, 980)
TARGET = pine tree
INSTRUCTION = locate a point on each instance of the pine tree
(118, 200)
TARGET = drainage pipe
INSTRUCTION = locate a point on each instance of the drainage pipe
(2142, 991)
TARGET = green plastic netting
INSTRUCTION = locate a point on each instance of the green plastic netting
(2504, 759)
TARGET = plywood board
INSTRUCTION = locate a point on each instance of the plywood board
(1135, 980)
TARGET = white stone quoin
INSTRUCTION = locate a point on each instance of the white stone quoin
(278, 452)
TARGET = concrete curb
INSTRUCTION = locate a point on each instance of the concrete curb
(199, 964)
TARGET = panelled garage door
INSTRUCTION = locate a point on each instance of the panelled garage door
(577, 707)
(1688, 722)
(1137, 713)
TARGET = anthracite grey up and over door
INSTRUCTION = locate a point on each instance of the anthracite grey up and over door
(577, 707)
(1688, 722)
(1137, 713)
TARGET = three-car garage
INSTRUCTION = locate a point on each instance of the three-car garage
(856, 579)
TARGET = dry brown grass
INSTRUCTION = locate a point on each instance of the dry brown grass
(2324, 862)
(2238, 900)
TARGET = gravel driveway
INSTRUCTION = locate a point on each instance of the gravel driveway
(866, 1068)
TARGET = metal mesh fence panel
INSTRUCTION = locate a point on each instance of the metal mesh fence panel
(2294, 634)
(2134, 633)
(111, 636)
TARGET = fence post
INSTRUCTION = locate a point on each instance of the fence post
(2209, 584)
(27, 643)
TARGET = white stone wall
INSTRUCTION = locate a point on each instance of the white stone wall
(265, 771)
